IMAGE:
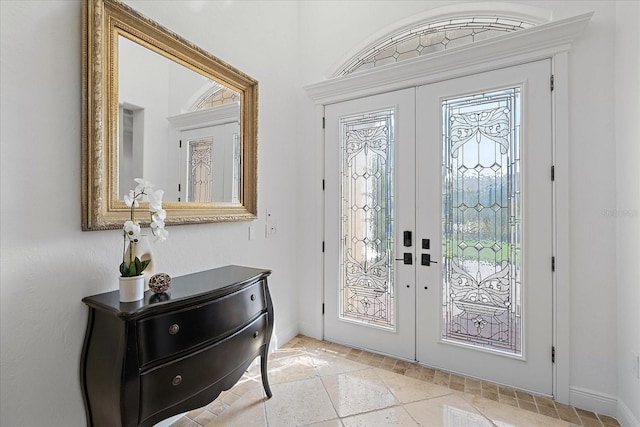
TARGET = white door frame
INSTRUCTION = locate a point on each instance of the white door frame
(552, 40)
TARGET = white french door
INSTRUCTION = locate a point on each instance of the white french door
(485, 203)
(470, 179)
(369, 202)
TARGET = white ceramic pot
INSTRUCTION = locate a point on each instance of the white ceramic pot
(141, 249)
(131, 288)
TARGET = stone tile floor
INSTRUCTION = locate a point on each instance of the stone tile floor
(321, 384)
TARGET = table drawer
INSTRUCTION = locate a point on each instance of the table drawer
(165, 334)
(176, 381)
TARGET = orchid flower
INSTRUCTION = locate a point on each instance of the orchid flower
(131, 229)
(155, 200)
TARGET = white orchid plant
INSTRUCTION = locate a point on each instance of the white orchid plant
(144, 192)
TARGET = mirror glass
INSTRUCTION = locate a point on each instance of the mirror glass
(176, 128)
(158, 107)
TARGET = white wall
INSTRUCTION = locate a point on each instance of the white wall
(626, 214)
(47, 263)
(593, 290)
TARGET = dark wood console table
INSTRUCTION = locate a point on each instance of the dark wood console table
(148, 360)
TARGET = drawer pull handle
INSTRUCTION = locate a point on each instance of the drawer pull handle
(253, 297)
(176, 380)
(173, 329)
(255, 334)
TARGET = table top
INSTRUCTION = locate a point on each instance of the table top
(187, 289)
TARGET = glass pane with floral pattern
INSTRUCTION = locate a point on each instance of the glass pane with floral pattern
(481, 221)
(366, 293)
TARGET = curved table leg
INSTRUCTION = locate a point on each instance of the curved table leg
(265, 380)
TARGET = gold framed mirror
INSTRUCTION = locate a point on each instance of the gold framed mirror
(158, 107)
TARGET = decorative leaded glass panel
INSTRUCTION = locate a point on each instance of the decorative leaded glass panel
(217, 96)
(367, 291)
(431, 37)
(481, 220)
(200, 170)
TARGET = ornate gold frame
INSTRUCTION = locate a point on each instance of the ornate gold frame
(103, 22)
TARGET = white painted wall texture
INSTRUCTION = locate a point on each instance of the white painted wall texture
(627, 212)
(48, 264)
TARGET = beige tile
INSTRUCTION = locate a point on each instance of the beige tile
(508, 400)
(407, 389)
(473, 383)
(505, 415)
(184, 422)
(441, 378)
(506, 391)
(549, 411)
(456, 386)
(205, 418)
(248, 386)
(524, 396)
(456, 379)
(608, 421)
(489, 386)
(330, 423)
(336, 365)
(451, 410)
(528, 406)
(586, 414)
(395, 416)
(193, 414)
(544, 401)
(491, 395)
(289, 369)
(299, 403)
(591, 422)
(358, 391)
(567, 413)
(247, 410)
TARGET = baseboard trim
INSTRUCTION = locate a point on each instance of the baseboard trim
(591, 400)
(282, 337)
(625, 416)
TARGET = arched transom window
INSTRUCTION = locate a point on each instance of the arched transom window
(432, 37)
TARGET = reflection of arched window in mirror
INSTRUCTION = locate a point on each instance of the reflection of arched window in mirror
(217, 95)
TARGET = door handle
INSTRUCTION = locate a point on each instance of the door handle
(426, 260)
(407, 258)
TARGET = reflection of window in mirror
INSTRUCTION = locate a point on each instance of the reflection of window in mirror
(210, 159)
(130, 148)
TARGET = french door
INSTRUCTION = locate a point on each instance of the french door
(369, 203)
(438, 225)
(485, 204)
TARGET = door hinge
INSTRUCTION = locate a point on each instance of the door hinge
(179, 188)
(323, 123)
(180, 144)
(553, 263)
(322, 308)
(553, 173)
(552, 84)
(553, 349)
(323, 185)
(323, 246)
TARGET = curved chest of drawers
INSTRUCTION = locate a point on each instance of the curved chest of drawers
(145, 361)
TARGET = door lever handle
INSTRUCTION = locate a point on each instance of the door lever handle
(407, 258)
(426, 260)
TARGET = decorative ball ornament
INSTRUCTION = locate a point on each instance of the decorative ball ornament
(159, 282)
